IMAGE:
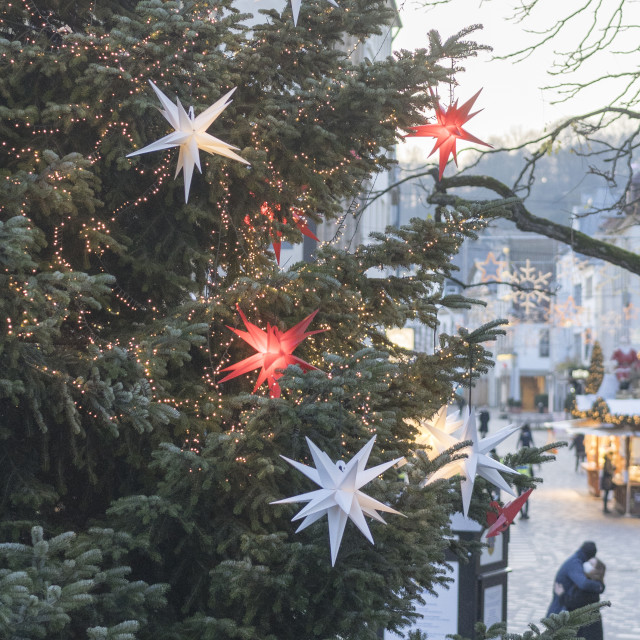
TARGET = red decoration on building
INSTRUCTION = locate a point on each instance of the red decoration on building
(499, 520)
(449, 129)
(275, 349)
(627, 361)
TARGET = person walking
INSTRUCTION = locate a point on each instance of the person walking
(571, 574)
(525, 470)
(606, 480)
(575, 598)
(484, 422)
(579, 449)
(526, 437)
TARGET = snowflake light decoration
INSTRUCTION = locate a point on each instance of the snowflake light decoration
(529, 295)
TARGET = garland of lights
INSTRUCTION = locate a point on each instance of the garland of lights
(274, 347)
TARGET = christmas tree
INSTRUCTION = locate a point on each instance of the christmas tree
(596, 369)
(137, 486)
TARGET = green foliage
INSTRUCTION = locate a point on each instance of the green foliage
(69, 587)
(561, 626)
(596, 369)
(115, 314)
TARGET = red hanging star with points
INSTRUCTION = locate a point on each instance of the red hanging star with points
(298, 219)
(449, 129)
(275, 349)
(500, 521)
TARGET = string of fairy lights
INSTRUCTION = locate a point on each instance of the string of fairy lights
(95, 232)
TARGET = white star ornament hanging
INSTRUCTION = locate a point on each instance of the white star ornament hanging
(190, 134)
(478, 461)
(295, 9)
(448, 423)
(340, 497)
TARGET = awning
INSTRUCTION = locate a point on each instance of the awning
(590, 427)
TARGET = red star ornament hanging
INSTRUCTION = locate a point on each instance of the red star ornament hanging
(298, 219)
(448, 129)
(275, 351)
(500, 521)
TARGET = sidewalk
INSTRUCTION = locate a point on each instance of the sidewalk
(562, 515)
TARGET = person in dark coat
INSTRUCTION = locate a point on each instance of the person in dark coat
(526, 437)
(606, 481)
(571, 574)
(484, 422)
(579, 449)
(575, 598)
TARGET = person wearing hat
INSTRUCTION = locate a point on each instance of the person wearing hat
(571, 574)
(576, 598)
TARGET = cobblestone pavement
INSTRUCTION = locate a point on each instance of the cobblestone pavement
(562, 515)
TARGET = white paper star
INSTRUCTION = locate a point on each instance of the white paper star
(450, 423)
(339, 496)
(190, 135)
(295, 8)
(477, 461)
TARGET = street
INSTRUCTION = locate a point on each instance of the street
(562, 515)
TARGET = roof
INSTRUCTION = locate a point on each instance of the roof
(589, 427)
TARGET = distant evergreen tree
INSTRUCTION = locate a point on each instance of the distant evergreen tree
(596, 369)
(136, 489)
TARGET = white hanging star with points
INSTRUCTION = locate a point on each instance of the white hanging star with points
(190, 135)
(449, 423)
(477, 462)
(339, 497)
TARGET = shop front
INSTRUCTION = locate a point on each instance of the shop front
(623, 446)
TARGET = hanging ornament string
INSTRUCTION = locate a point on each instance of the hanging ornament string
(354, 202)
(451, 94)
(360, 215)
(384, 39)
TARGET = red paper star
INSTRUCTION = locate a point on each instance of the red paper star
(298, 220)
(500, 521)
(274, 349)
(449, 129)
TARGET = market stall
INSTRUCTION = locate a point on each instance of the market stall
(623, 445)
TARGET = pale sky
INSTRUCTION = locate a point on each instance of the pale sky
(512, 99)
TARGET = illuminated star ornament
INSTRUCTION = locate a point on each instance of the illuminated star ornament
(298, 219)
(478, 461)
(190, 135)
(295, 8)
(448, 129)
(340, 497)
(448, 423)
(499, 520)
(492, 269)
(275, 349)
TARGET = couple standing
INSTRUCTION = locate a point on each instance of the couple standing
(580, 581)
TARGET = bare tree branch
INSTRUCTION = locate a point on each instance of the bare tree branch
(526, 221)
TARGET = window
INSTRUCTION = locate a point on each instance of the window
(577, 294)
(588, 287)
(543, 345)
